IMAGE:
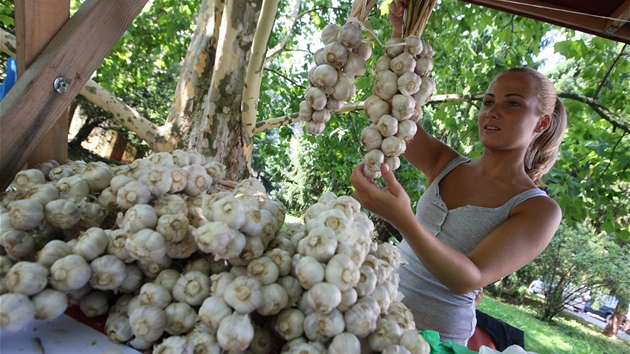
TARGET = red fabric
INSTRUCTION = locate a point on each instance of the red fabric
(97, 323)
(479, 338)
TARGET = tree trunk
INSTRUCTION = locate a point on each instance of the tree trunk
(208, 117)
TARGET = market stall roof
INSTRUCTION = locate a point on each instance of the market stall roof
(604, 18)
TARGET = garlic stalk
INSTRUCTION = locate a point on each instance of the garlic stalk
(16, 311)
(49, 304)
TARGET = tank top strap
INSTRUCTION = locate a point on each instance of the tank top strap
(449, 167)
(523, 196)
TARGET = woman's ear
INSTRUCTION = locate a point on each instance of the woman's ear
(543, 124)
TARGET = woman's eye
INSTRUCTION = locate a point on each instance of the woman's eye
(514, 103)
(488, 103)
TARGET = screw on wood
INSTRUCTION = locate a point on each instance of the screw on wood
(61, 84)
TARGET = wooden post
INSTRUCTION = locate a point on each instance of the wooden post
(32, 106)
(36, 23)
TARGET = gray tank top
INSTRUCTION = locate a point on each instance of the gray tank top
(434, 306)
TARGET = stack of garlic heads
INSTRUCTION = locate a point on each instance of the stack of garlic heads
(337, 65)
(212, 271)
(402, 86)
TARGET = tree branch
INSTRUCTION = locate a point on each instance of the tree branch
(293, 82)
(279, 48)
(610, 69)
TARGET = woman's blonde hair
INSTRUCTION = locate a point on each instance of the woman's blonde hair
(543, 150)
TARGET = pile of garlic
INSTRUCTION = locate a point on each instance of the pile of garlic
(402, 86)
(332, 79)
(198, 268)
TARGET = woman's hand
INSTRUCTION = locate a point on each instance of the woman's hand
(391, 203)
(396, 11)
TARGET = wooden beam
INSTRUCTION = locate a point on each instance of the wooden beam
(36, 23)
(557, 15)
(31, 107)
(622, 14)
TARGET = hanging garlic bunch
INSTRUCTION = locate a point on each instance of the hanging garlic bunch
(401, 88)
(337, 65)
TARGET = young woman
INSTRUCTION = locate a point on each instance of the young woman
(479, 219)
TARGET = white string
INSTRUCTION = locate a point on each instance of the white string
(563, 10)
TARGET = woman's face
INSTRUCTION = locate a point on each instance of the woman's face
(510, 118)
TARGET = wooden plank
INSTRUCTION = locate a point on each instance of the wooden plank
(36, 23)
(622, 14)
(31, 107)
(554, 14)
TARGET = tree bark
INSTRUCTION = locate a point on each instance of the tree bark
(216, 128)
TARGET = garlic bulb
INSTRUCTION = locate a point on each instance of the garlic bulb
(288, 324)
(394, 47)
(325, 76)
(167, 278)
(350, 33)
(94, 304)
(147, 322)
(275, 299)
(315, 97)
(386, 84)
(243, 294)
(386, 333)
(229, 210)
(414, 342)
(152, 294)
(235, 333)
(254, 248)
(282, 259)
(356, 65)
(16, 311)
(70, 273)
(314, 128)
(97, 175)
(424, 66)
(403, 106)
(170, 204)
(392, 146)
(152, 267)
(320, 327)
(60, 172)
(26, 214)
(306, 111)
(158, 178)
(348, 298)
(214, 237)
(42, 193)
(17, 243)
(133, 279)
(108, 273)
(321, 117)
(180, 318)
(161, 158)
(118, 328)
(73, 188)
(371, 138)
(293, 288)
(26, 179)
(375, 107)
(409, 83)
(192, 288)
(324, 297)
(216, 170)
(329, 33)
(320, 243)
(138, 217)
(395, 349)
(91, 244)
(345, 88)
(382, 63)
(133, 193)
(174, 344)
(92, 214)
(197, 180)
(213, 310)
(116, 245)
(62, 213)
(402, 63)
(146, 245)
(387, 125)
(26, 278)
(264, 270)
(335, 54)
(49, 304)
(342, 272)
(360, 319)
(203, 341)
(413, 45)
(309, 271)
(118, 182)
(345, 343)
(425, 92)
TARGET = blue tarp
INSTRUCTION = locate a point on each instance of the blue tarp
(10, 79)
